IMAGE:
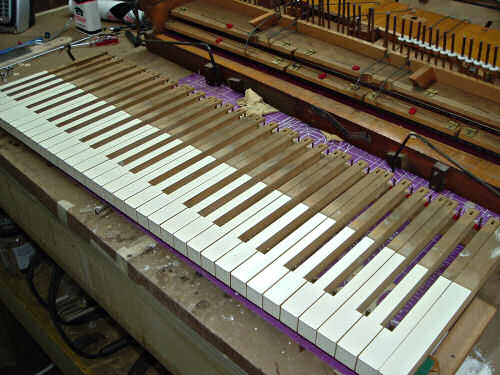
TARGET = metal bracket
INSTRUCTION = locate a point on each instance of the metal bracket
(363, 136)
(310, 52)
(286, 43)
(354, 87)
(181, 10)
(278, 60)
(470, 132)
(452, 125)
(431, 92)
(372, 95)
(294, 67)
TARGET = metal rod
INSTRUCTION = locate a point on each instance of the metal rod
(471, 45)
(328, 12)
(402, 35)
(419, 28)
(424, 30)
(386, 35)
(394, 32)
(444, 46)
(430, 44)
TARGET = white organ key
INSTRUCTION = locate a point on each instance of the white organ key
(244, 273)
(67, 140)
(116, 170)
(128, 178)
(171, 162)
(44, 95)
(149, 201)
(426, 332)
(311, 320)
(344, 318)
(57, 99)
(225, 267)
(131, 204)
(199, 225)
(116, 145)
(90, 174)
(212, 254)
(363, 332)
(306, 296)
(212, 234)
(329, 276)
(36, 88)
(171, 209)
(386, 342)
(187, 217)
(271, 275)
(39, 76)
(65, 155)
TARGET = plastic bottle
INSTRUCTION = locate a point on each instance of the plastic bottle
(86, 15)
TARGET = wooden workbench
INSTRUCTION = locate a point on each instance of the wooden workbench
(188, 323)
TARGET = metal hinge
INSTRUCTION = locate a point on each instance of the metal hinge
(295, 67)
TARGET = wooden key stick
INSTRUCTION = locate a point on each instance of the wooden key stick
(413, 247)
(407, 209)
(299, 194)
(277, 181)
(261, 174)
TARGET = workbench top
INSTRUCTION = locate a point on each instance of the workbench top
(166, 285)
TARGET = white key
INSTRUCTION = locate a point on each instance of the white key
(187, 219)
(250, 217)
(40, 76)
(363, 332)
(346, 316)
(329, 276)
(326, 305)
(385, 343)
(131, 203)
(426, 332)
(160, 216)
(36, 88)
(244, 273)
(60, 98)
(171, 162)
(274, 272)
(152, 199)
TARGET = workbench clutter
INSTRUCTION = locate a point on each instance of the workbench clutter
(16, 249)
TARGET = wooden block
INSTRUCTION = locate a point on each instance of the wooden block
(423, 77)
(463, 335)
(264, 21)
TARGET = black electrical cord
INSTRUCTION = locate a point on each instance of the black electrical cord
(115, 346)
(392, 162)
(34, 262)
